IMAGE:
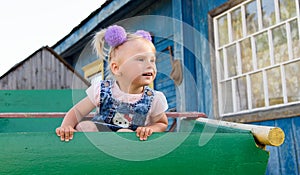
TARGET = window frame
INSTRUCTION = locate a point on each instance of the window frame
(269, 113)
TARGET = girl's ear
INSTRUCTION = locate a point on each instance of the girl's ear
(114, 68)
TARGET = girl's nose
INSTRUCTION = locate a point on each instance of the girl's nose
(149, 62)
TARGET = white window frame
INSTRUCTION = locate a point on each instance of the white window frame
(286, 109)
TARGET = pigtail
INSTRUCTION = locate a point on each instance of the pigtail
(99, 44)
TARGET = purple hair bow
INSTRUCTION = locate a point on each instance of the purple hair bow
(116, 35)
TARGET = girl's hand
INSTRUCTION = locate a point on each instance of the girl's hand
(65, 133)
(144, 132)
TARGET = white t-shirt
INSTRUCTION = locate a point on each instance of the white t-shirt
(158, 106)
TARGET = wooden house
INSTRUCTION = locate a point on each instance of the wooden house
(240, 59)
(44, 69)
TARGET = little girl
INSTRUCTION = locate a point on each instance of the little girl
(125, 104)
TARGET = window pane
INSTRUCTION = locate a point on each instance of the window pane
(274, 86)
(231, 60)
(241, 93)
(236, 20)
(262, 50)
(246, 55)
(257, 88)
(280, 44)
(221, 68)
(292, 72)
(295, 39)
(287, 9)
(268, 12)
(223, 30)
(227, 97)
(251, 17)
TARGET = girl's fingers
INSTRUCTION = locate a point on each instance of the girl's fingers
(62, 134)
(138, 130)
(57, 131)
(71, 132)
(143, 132)
(150, 131)
(65, 133)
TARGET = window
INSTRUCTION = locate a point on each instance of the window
(256, 57)
(93, 71)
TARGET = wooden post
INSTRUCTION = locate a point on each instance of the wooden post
(265, 135)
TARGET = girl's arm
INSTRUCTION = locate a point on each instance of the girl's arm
(158, 126)
(73, 116)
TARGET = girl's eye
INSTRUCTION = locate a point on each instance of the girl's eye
(141, 59)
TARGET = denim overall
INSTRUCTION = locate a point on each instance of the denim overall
(115, 114)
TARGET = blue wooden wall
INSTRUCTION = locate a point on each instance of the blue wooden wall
(195, 13)
(163, 81)
(285, 159)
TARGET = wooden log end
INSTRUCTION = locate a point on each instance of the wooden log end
(276, 136)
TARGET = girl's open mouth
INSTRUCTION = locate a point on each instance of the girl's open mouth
(147, 74)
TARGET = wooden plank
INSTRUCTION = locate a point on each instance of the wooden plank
(33, 115)
(19, 76)
(32, 74)
(53, 71)
(273, 164)
(91, 153)
(28, 74)
(281, 159)
(264, 135)
(7, 117)
(265, 115)
(288, 162)
(296, 131)
(62, 75)
(163, 82)
(12, 83)
(47, 66)
(189, 115)
(37, 72)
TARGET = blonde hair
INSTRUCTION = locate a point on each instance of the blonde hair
(104, 51)
(99, 44)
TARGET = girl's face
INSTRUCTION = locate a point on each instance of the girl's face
(134, 62)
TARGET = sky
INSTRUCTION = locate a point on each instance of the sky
(28, 25)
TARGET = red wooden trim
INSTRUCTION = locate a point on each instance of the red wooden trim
(186, 114)
(32, 115)
(190, 115)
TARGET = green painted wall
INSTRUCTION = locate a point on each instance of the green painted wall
(30, 146)
(29, 124)
(44, 153)
(39, 100)
(34, 150)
